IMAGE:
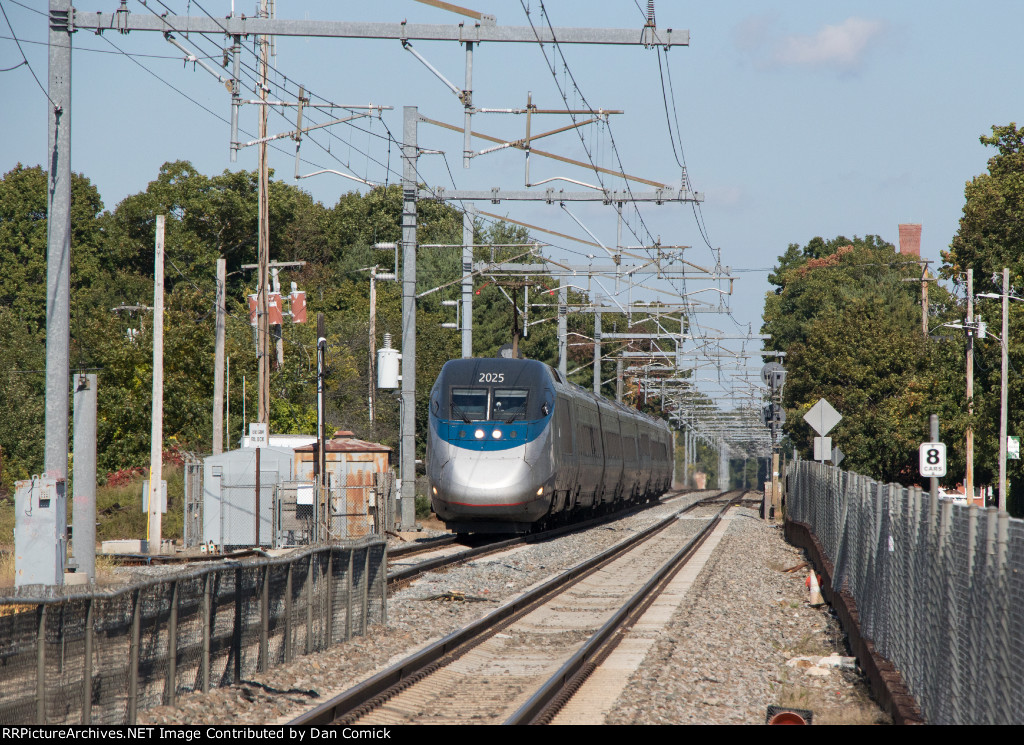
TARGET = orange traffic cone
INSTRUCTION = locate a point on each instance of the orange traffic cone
(815, 598)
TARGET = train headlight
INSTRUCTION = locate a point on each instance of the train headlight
(479, 434)
(496, 434)
(435, 490)
(540, 491)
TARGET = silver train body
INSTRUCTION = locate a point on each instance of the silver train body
(512, 445)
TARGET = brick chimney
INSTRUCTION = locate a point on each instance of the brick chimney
(910, 239)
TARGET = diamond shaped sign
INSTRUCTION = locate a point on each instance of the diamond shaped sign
(822, 417)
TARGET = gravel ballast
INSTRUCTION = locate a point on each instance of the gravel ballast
(723, 658)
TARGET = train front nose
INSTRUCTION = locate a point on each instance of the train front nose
(491, 486)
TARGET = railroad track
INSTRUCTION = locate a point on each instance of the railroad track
(450, 555)
(523, 661)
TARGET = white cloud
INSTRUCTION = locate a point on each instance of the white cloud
(842, 46)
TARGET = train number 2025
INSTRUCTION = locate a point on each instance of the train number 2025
(486, 377)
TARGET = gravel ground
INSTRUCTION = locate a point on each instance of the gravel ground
(748, 640)
(723, 661)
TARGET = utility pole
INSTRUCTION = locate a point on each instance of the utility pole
(278, 331)
(467, 269)
(373, 340)
(597, 345)
(319, 465)
(58, 241)
(218, 360)
(83, 509)
(1003, 389)
(969, 478)
(686, 456)
(563, 328)
(925, 279)
(933, 433)
(262, 310)
(156, 440)
(410, 157)
(618, 381)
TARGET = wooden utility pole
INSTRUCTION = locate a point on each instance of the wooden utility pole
(925, 279)
(156, 440)
(262, 315)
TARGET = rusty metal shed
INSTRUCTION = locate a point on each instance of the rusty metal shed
(354, 471)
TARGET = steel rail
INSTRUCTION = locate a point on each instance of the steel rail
(407, 574)
(549, 698)
(383, 685)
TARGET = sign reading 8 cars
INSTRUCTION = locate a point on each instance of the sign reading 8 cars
(932, 459)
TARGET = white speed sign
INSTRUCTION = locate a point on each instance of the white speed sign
(932, 459)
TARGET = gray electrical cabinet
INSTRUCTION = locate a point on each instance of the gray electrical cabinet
(230, 496)
(40, 531)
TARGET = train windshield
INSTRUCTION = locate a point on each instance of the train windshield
(469, 404)
(509, 403)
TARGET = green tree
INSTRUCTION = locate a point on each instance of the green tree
(23, 230)
(991, 237)
(851, 327)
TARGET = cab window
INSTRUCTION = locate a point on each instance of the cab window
(509, 402)
(469, 404)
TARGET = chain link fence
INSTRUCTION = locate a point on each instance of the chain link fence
(939, 587)
(101, 657)
(290, 512)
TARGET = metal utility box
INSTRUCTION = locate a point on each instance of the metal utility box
(352, 470)
(40, 531)
(230, 498)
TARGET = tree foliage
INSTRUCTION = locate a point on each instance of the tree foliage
(991, 237)
(851, 328)
(211, 217)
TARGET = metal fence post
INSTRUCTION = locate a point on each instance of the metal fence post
(348, 597)
(133, 659)
(309, 604)
(989, 651)
(41, 665)
(288, 613)
(236, 640)
(947, 567)
(263, 662)
(172, 648)
(366, 589)
(207, 630)
(329, 637)
(87, 664)
(969, 638)
(1003, 695)
(382, 581)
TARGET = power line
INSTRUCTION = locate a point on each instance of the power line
(102, 51)
(25, 59)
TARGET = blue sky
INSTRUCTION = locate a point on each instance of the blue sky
(796, 119)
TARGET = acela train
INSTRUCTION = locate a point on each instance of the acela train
(513, 445)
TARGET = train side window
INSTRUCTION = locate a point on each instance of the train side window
(564, 426)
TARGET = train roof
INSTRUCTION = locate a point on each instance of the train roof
(538, 368)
